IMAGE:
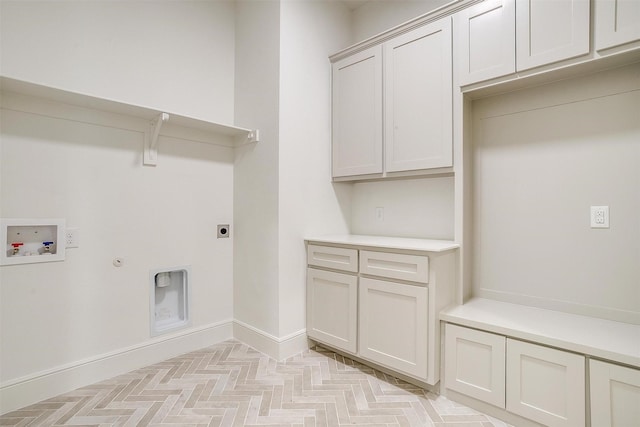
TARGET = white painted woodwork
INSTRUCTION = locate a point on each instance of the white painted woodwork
(485, 41)
(332, 307)
(617, 22)
(615, 395)
(418, 99)
(393, 325)
(331, 257)
(475, 364)
(357, 114)
(384, 242)
(414, 268)
(550, 31)
(545, 385)
(602, 338)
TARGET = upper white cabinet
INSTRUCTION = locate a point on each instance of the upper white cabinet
(417, 109)
(418, 99)
(357, 114)
(499, 37)
(550, 30)
(485, 42)
(617, 22)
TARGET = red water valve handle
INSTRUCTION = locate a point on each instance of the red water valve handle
(17, 244)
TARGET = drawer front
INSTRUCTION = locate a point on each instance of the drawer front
(414, 268)
(329, 257)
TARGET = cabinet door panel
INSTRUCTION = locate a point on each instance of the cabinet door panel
(332, 307)
(545, 385)
(615, 395)
(357, 114)
(393, 325)
(617, 22)
(418, 99)
(485, 41)
(475, 364)
(548, 31)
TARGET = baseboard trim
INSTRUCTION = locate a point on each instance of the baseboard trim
(30, 389)
(274, 347)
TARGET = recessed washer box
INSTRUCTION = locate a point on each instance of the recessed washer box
(32, 240)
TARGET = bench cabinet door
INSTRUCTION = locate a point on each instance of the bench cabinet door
(475, 364)
(615, 395)
(545, 385)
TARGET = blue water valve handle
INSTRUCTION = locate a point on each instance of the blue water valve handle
(47, 243)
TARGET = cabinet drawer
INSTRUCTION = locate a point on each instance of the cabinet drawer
(330, 257)
(414, 268)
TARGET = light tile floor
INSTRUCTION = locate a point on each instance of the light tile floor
(230, 384)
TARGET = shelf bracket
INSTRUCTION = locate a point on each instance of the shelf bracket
(150, 155)
(247, 138)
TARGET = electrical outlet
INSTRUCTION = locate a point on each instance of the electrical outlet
(599, 216)
(72, 237)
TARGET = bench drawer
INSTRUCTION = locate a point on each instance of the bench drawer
(329, 257)
(414, 268)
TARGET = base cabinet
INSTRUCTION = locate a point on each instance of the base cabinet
(539, 383)
(545, 385)
(474, 364)
(379, 300)
(393, 325)
(336, 326)
(615, 395)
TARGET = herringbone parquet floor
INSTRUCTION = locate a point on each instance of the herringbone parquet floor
(230, 384)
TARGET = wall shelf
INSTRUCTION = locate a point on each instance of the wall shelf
(16, 95)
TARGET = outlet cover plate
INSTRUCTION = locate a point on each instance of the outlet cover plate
(599, 216)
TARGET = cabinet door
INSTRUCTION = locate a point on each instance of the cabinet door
(485, 41)
(357, 114)
(550, 30)
(615, 395)
(545, 385)
(332, 307)
(475, 364)
(393, 325)
(418, 99)
(617, 22)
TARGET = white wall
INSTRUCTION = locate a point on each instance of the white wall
(375, 17)
(418, 208)
(58, 313)
(174, 56)
(256, 166)
(542, 157)
(309, 203)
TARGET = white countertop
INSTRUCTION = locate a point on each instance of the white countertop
(387, 242)
(606, 339)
